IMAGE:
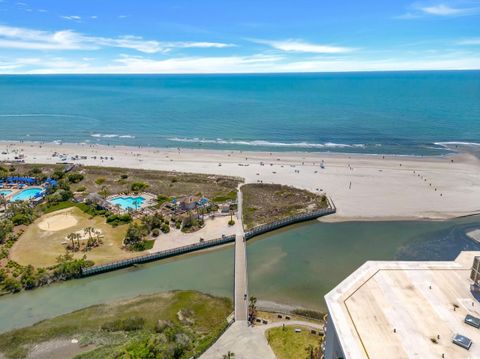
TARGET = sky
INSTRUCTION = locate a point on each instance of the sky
(237, 36)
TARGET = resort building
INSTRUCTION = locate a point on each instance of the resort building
(406, 310)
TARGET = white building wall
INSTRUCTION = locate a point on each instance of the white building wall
(333, 349)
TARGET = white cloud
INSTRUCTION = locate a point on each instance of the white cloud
(30, 39)
(258, 63)
(94, 17)
(417, 10)
(473, 41)
(301, 46)
(445, 10)
(72, 18)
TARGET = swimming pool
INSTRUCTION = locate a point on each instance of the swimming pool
(128, 202)
(27, 194)
(5, 192)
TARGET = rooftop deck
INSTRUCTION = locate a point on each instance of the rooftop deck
(400, 309)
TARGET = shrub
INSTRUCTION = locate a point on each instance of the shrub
(12, 285)
(35, 171)
(68, 267)
(118, 219)
(124, 176)
(134, 237)
(6, 228)
(155, 232)
(138, 186)
(75, 177)
(99, 181)
(58, 174)
(81, 189)
(165, 228)
(20, 219)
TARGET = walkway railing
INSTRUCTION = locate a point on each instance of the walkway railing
(206, 244)
(288, 221)
(156, 256)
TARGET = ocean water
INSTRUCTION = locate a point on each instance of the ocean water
(385, 112)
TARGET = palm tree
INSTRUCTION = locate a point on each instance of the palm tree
(98, 238)
(77, 237)
(3, 201)
(229, 355)
(104, 192)
(88, 231)
(72, 237)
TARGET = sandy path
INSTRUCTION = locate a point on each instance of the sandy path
(362, 186)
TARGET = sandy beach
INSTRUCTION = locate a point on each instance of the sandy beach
(363, 187)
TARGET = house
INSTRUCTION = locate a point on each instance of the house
(188, 203)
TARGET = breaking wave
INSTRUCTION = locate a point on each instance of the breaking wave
(261, 143)
(99, 135)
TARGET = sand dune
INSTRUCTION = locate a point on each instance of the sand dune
(361, 186)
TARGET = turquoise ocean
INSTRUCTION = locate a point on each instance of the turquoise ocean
(416, 113)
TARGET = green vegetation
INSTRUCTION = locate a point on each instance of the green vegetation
(118, 219)
(265, 203)
(286, 343)
(166, 325)
(309, 313)
(138, 186)
(75, 177)
(230, 196)
(134, 239)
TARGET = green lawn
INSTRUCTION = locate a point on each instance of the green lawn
(287, 344)
(125, 329)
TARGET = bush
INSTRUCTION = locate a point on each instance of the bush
(162, 199)
(134, 237)
(165, 228)
(75, 177)
(12, 285)
(6, 228)
(68, 267)
(155, 232)
(99, 181)
(57, 175)
(124, 176)
(118, 219)
(231, 222)
(138, 186)
(60, 195)
(35, 171)
(20, 219)
(81, 189)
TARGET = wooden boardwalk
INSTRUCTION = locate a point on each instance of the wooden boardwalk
(241, 279)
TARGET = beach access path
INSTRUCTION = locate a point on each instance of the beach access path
(363, 187)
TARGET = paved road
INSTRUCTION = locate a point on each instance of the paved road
(245, 342)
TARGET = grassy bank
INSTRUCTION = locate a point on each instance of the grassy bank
(265, 203)
(166, 325)
(287, 344)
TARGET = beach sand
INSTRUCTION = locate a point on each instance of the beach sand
(363, 187)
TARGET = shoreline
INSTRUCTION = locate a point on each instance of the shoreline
(361, 185)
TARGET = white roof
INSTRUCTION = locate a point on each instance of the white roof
(416, 299)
